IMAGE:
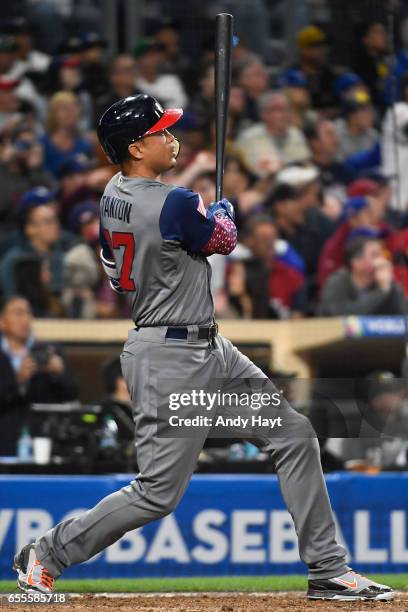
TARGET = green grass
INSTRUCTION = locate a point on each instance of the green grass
(223, 583)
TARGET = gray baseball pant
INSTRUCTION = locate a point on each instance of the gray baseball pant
(167, 463)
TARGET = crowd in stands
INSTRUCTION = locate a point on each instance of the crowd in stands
(315, 167)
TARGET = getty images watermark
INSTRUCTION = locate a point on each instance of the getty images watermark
(213, 401)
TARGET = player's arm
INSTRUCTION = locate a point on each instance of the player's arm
(185, 219)
(108, 261)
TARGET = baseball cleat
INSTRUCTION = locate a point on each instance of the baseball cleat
(32, 576)
(349, 587)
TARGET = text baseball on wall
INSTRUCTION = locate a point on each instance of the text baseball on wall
(225, 525)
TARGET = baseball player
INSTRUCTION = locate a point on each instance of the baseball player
(155, 242)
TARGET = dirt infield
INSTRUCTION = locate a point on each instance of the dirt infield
(226, 602)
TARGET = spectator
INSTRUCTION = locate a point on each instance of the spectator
(122, 77)
(310, 236)
(167, 88)
(21, 168)
(32, 281)
(370, 61)
(382, 439)
(365, 286)
(40, 234)
(273, 139)
(270, 287)
(356, 130)
(254, 80)
(30, 62)
(295, 87)
(357, 216)
(74, 188)
(117, 399)
(324, 143)
(81, 269)
(63, 139)
(167, 36)
(314, 63)
(10, 105)
(66, 74)
(32, 372)
(93, 66)
(347, 84)
(394, 148)
(202, 103)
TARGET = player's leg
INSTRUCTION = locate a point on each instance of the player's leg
(296, 457)
(165, 464)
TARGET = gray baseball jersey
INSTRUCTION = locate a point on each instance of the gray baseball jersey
(159, 236)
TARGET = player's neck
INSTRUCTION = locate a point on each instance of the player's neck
(129, 169)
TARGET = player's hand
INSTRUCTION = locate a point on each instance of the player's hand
(223, 208)
(27, 370)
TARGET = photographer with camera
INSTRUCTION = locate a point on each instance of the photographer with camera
(31, 371)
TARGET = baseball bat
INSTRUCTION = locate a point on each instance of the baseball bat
(223, 46)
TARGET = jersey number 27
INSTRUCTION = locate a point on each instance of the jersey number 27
(126, 240)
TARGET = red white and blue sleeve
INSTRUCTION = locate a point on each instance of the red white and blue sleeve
(199, 230)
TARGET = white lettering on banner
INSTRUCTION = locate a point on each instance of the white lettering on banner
(399, 554)
(242, 541)
(216, 548)
(130, 548)
(31, 523)
(6, 516)
(168, 543)
(362, 551)
(282, 531)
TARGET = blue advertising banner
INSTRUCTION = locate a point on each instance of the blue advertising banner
(225, 525)
(369, 327)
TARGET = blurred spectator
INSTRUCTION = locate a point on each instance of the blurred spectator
(10, 105)
(167, 88)
(122, 77)
(295, 86)
(347, 84)
(202, 103)
(365, 286)
(313, 61)
(254, 80)
(310, 236)
(357, 217)
(370, 61)
(93, 65)
(32, 281)
(29, 61)
(117, 403)
(73, 180)
(40, 234)
(167, 36)
(66, 74)
(21, 167)
(32, 372)
(275, 139)
(382, 442)
(324, 144)
(81, 270)
(394, 148)
(356, 130)
(63, 139)
(263, 286)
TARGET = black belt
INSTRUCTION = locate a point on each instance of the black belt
(204, 333)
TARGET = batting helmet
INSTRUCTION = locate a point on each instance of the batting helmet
(129, 120)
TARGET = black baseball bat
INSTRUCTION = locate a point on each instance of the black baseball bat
(223, 46)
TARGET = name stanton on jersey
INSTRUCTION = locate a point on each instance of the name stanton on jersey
(116, 208)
